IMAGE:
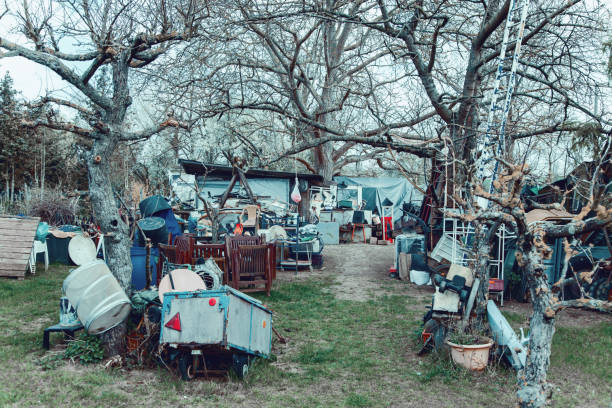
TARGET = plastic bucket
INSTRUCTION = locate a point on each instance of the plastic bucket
(99, 301)
(473, 357)
(420, 277)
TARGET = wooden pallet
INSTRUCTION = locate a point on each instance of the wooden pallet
(16, 241)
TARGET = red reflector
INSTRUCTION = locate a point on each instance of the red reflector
(212, 301)
(174, 323)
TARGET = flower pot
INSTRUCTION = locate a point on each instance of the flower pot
(474, 357)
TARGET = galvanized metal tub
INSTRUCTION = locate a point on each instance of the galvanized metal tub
(97, 297)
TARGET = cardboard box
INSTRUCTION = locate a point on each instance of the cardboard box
(373, 240)
(383, 242)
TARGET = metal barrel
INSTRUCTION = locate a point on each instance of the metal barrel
(97, 297)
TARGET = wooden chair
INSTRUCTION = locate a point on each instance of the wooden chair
(251, 268)
(184, 245)
(215, 251)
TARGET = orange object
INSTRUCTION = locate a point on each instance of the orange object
(239, 229)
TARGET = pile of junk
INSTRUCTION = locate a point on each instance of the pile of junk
(187, 324)
(451, 312)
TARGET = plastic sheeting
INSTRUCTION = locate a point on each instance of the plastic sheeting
(277, 189)
(396, 189)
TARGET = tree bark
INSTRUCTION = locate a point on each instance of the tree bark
(323, 162)
(103, 202)
(481, 271)
(534, 391)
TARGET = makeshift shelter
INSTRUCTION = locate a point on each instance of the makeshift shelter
(276, 185)
(376, 189)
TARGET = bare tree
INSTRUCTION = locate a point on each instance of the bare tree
(300, 82)
(125, 36)
(509, 209)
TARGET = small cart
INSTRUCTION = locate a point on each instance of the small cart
(213, 331)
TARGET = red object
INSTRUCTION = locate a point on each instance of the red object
(388, 228)
(174, 323)
(392, 270)
(212, 301)
(496, 285)
(239, 229)
(425, 336)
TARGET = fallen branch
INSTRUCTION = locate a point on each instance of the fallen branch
(589, 304)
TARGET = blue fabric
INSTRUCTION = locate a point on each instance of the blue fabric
(172, 225)
(277, 189)
(396, 189)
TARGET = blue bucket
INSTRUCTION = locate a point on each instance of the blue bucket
(139, 272)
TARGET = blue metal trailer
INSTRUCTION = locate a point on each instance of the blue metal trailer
(215, 330)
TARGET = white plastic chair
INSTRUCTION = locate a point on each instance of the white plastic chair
(37, 248)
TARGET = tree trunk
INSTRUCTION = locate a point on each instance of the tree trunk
(117, 243)
(481, 271)
(323, 162)
(103, 202)
(534, 391)
(12, 182)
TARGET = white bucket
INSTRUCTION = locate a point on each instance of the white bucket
(96, 295)
(420, 277)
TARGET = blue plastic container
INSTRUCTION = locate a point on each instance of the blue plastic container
(139, 272)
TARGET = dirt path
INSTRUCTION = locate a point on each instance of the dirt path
(360, 268)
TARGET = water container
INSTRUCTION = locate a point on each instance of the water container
(139, 264)
(98, 299)
(154, 228)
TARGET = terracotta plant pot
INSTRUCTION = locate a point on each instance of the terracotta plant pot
(474, 357)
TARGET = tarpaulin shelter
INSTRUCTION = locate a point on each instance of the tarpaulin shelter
(269, 183)
(376, 189)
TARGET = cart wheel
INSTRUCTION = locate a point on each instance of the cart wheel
(185, 365)
(438, 333)
(240, 365)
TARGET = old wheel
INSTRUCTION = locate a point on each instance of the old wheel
(240, 365)
(185, 366)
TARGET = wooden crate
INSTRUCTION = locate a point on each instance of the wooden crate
(16, 241)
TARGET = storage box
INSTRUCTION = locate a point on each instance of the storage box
(373, 240)
(496, 285)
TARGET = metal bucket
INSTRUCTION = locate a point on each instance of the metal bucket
(98, 299)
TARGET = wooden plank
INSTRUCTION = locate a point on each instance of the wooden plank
(13, 266)
(17, 226)
(18, 222)
(7, 274)
(16, 242)
(12, 245)
(26, 225)
(10, 258)
(14, 236)
(18, 217)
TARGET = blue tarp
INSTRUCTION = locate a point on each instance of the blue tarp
(171, 224)
(396, 189)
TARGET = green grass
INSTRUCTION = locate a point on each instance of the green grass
(341, 353)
